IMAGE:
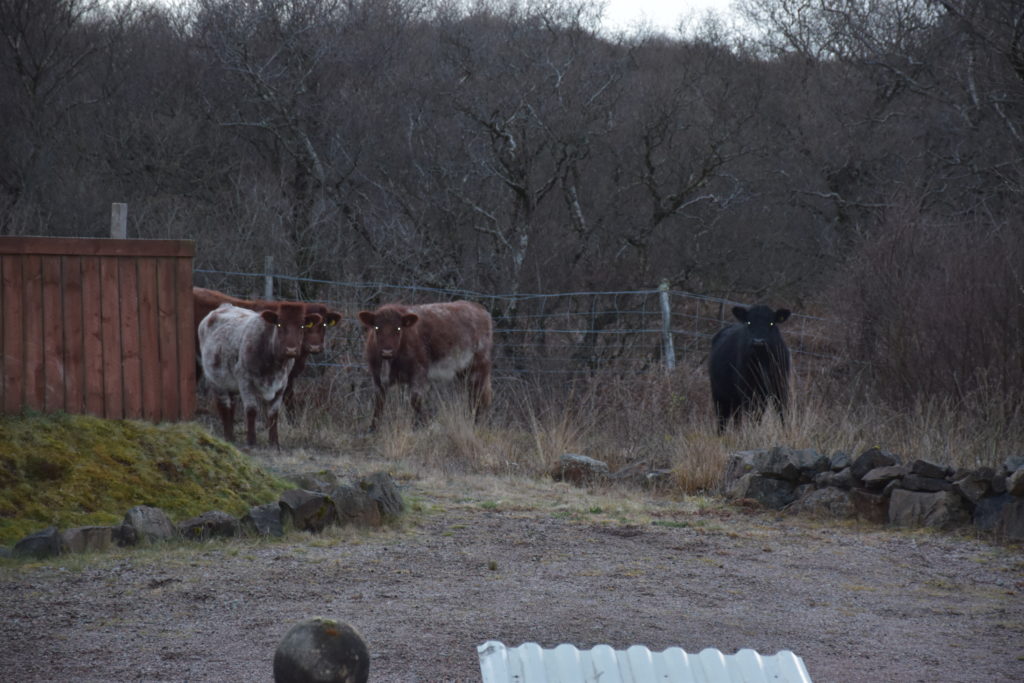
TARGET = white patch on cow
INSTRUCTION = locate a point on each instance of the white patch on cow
(445, 368)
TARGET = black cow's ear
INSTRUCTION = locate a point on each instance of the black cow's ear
(740, 313)
(409, 319)
(782, 315)
(367, 318)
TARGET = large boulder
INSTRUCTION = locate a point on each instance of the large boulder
(264, 520)
(322, 650)
(148, 524)
(308, 510)
(212, 524)
(40, 545)
(354, 506)
(988, 512)
(879, 477)
(1011, 521)
(382, 489)
(86, 539)
(941, 510)
(829, 502)
(580, 470)
(781, 462)
(871, 459)
(870, 507)
(975, 485)
(768, 491)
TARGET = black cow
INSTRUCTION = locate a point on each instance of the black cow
(749, 364)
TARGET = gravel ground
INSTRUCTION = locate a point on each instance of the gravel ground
(515, 561)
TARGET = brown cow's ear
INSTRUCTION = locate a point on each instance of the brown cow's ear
(409, 319)
(269, 316)
(782, 315)
(367, 318)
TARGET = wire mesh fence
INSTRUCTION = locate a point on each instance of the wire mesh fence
(569, 334)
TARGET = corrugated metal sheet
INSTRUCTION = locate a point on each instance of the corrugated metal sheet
(530, 663)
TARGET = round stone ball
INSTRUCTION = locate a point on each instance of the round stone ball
(321, 650)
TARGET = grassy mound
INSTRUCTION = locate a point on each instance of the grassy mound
(74, 470)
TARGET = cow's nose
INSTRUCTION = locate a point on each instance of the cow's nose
(315, 348)
(291, 352)
(387, 353)
(758, 341)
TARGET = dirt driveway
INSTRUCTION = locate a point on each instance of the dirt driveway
(525, 561)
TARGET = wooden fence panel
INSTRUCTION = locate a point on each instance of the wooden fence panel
(73, 325)
(149, 340)
(53, 351)
(32, 315)
(131, 352)
(92, 344)
(97, 326)
(110, 324)
(13, 334)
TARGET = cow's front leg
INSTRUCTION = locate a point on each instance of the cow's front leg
(226, 409)
(418, 387)
(273, 411)
(378, 407)
(250, 424)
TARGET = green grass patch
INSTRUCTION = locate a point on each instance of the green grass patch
(73, 470)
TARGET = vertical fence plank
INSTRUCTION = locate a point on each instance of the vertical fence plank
(53, 338)
(128, 302)
(73, 331)
(149, 341)
(110, 323)
(92, 337)
(185, 338)
(167, 337)
(13, 335)
(35, 373)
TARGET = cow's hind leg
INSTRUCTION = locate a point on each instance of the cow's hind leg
(226, 409)
(480, 394)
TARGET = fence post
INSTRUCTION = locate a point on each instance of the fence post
(118, 221)
(268, 278)
(666, 327)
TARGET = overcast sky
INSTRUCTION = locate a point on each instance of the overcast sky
(662, 14)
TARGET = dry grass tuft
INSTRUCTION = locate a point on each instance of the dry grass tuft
(664, 420)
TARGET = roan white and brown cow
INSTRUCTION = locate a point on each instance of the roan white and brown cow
(414, 345)
(204, 301)
(249, 355)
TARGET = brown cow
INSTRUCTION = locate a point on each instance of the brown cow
(206, 300)
(415, 344)
(249, 355)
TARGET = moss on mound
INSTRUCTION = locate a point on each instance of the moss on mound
(74, 470)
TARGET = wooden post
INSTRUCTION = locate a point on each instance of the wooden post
(118, 221)
(268, 278)
(666, 327)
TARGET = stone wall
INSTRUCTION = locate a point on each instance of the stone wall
(877, 486)
(320, 501)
